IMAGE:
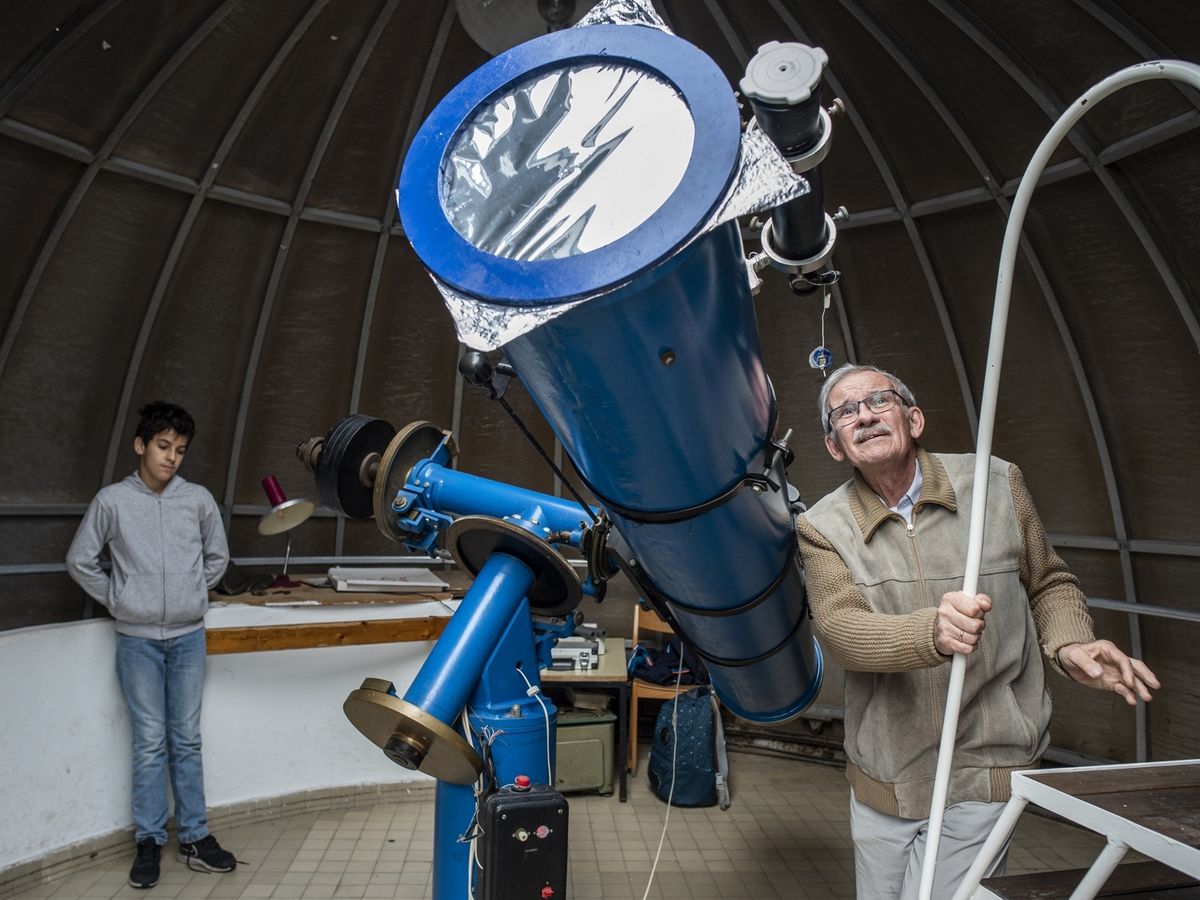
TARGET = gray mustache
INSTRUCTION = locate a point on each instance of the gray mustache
(862, 434)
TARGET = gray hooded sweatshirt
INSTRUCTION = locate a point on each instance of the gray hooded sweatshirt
(167, 550)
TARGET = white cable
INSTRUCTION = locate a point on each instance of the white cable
(674, 755)
(466, 729)
(824, 309)
(1146, 71)
(535, 692)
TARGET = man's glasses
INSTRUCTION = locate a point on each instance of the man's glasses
(876, 402)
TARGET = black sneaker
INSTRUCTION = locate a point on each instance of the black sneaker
(144, 873)
(207, 855)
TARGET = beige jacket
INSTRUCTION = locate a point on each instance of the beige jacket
(874, 585)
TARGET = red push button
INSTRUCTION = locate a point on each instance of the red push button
(521, 782)
(547, 892)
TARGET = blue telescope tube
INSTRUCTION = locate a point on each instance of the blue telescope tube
(656, 385)
(671, 438)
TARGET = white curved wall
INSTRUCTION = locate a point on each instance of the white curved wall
(272, 723)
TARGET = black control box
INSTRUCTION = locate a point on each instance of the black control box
(523, 847)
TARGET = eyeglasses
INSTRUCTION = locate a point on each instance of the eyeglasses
(876, 402)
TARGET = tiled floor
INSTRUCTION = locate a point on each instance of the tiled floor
(785, 836)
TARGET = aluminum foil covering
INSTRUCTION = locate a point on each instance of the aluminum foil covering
(487, 326)
(623, 12)
(567, 162)
(762, 181)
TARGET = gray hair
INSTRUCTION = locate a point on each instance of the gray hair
(853, 369)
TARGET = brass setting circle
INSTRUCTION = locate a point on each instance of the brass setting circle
(556, 589)
(389, 722)
(413, 443)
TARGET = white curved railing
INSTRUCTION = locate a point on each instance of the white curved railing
(1147, 71)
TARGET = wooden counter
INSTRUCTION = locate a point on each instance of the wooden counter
(346, 631)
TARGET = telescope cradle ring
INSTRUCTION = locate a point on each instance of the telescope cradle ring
(799, 266)
(661, 602)
(556, 588)
(725, 611)
(410, 736)
(522, 282)
(414, 442)
(671, 516)
(665, 607)
(343, 482)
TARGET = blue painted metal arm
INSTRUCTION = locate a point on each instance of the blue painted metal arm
(452, 670)
(459, 493)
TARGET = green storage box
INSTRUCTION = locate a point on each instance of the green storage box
(585, 751)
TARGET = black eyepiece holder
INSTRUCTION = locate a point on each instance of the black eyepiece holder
(783, 84)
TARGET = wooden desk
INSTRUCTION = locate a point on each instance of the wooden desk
(297, 636)
(1153, 808)
(348, 632)
(308, 595)
(610, 675)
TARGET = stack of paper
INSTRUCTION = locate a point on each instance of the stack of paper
(377, 580)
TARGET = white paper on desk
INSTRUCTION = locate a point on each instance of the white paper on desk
(398, 580)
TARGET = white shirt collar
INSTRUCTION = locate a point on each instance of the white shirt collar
(904, 506)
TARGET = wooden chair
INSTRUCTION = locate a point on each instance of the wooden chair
(646, 620)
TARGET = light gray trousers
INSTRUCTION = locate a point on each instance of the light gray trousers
(888, 850)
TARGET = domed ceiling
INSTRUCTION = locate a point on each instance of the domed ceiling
(197, 204)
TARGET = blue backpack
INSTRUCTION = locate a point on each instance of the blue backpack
(690, 753)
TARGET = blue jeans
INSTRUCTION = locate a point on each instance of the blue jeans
(162, 682)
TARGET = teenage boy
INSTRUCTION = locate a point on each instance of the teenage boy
(167, 545)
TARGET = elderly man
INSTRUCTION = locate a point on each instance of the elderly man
(884, 556)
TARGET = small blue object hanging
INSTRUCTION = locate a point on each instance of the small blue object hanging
(820, 358)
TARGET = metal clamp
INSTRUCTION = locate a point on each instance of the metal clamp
(799, 266)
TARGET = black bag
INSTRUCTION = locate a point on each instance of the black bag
(690, 752)
(235, 581)
(664, 666)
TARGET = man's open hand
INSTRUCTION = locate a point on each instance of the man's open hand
(1102, 665)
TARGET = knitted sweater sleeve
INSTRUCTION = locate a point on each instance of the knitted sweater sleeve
(859, 638)
(1058, 605)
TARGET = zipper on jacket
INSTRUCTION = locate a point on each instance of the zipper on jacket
(911, 530)
(912, 542)
(162, 546)
(935, 706)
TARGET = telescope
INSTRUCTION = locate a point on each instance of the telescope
(576, 202)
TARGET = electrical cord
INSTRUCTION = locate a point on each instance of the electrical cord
(512, 413)
(535, 692)
(674, 755)
(474, 824)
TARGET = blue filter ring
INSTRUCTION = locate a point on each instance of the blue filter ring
(492, 109)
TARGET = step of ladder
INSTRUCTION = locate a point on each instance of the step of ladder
(1138, 881)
